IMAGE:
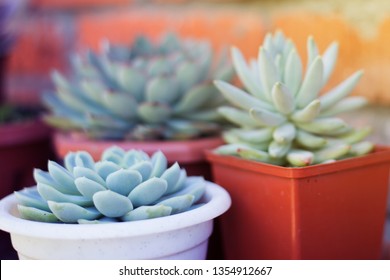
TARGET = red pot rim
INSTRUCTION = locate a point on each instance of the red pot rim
(381, 154)
(22, 132)
(182, 151)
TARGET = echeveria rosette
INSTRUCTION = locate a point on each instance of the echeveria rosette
(282, 116)
(122, 186)
(145, 91)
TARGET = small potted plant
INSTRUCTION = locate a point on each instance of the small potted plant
(304, 184)
(128, 205)
(145, 96)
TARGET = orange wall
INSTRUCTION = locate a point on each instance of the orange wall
(53, 29)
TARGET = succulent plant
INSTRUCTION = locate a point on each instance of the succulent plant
(142, 92)
(122, 186)
(283, 118)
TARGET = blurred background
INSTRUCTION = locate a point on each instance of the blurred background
(48, 31)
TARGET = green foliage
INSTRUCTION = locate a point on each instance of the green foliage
(122, 186)
(281, 114)
(142, 92)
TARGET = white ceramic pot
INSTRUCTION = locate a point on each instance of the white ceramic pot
(180, 236)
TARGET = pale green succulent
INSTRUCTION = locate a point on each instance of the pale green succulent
(283, 117)
(122, 186)
(144, 91)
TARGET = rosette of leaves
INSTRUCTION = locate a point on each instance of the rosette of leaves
(283, 117)
(122, 186)
(142, 92)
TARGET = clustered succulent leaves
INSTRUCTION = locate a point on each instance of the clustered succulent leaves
(283, 118)
(144, 91)
(122, 186)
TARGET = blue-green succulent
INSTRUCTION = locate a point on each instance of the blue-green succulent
(144, 91)
(122, 186)
(282, 115)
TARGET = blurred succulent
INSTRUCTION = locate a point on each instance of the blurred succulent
(283, 117)
(142, 92)
(122, 186)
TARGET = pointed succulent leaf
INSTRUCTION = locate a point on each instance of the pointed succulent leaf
(345, 105)
(88, 187)
(63, 178)
(284, 133)
(245, 75)
(31, 198)
(332, 152)
(171, 176)
(35, 214)
(162, 90)
(324, 126)
(160, 163)
(43, 177)
(300, 158)
(269, 74)
(239, 97)
(159, 67)
(178, 203)
(266, 118)
(123, 181)
(154, 113)
(293, 72)
(308, 113)
(179, 183)
(70, 161)
(105, 168)
(148, 192)
(253, 154)
(80, 171)
(340, 91)
(84, 159)
(188, 75)
(279, 149)
(238, 117)
(329, 58)
(255, 136)
(361, 148)
(132, 81)
(195, 98)
(356, 135)
(312, 83)
(119, 104)
(51, 194)
(70, 213)
(312, 50)
(282, 99)
(112, 204)
(144, 168)
(147, 212)
(310, 141)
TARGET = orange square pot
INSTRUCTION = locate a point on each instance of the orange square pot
(328, 211)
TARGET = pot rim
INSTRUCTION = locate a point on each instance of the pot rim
(217, 198)
(183, 151)
(380, 155)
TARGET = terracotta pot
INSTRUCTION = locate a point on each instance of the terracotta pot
(327, 211)
(189, 154)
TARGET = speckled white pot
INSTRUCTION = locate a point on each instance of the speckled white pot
(180, 236)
